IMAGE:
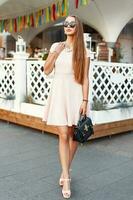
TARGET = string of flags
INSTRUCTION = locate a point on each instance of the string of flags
(40, 17)
(81, 2)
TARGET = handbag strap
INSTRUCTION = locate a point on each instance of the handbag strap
(82, 116)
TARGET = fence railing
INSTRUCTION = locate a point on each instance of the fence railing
(38, 84)
(111, 83)
(7, 78)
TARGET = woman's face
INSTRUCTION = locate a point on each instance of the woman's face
(70, 26)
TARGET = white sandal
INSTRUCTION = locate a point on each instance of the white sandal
(66, 193)
(62, 179)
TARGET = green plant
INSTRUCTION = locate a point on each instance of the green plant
(10, 97)
(29, 99)
(45, 56)
(123, 105)
(98, 105)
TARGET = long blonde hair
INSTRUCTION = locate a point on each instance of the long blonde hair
(78, 58)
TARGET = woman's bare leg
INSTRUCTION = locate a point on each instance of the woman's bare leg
(64, 153)
(64, 149)
(73, 145)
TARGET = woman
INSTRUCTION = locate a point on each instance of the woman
(68, 97)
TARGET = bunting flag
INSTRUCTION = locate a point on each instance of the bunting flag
(82, 2)
(54, 12)
(40, 17)
(15, 25)
(6, 25)
(2, 25)
(31, 20)
(47, 15)
(43, 16)
(76, 3)
(64, 8)
(23, 22)
(19, 23)
(10, 25)
(57, 9)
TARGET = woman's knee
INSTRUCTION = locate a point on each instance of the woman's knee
(64, 136)
(71, 131)
(63, 133)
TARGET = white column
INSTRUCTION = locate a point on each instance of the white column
(111, 46)
(20, 80)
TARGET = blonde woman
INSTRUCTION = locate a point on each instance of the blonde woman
(68, 96)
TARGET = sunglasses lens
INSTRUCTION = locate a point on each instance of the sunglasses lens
(70, 24)
(66, 24)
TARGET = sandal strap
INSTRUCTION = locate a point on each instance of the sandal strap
(66, 191)
(67, 179)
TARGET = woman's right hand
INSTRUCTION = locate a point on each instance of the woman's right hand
(60, 47)
(50, 61)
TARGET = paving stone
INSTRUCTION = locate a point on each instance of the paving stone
(30, 168)
(119, 190)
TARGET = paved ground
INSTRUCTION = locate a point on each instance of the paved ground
(29, 167)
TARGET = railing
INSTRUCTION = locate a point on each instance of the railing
(7, 78)
(111, 83)
(38, 84)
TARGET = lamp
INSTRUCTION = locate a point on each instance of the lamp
(20, 45)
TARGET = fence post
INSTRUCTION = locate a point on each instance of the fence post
(20, 80)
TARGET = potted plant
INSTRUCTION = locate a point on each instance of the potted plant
(7, 103)
(102, 113)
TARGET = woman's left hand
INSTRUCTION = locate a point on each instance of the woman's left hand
(83, 108)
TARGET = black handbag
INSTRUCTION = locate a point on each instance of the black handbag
(83, 130)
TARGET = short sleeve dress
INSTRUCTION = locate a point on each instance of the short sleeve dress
(65, 97)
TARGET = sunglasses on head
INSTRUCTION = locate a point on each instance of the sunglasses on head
(71, 24)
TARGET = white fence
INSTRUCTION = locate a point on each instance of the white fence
(110, 83)
(38, 85)
(7, 80)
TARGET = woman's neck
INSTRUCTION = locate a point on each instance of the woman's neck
(69, 41)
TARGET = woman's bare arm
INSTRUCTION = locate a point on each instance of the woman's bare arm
(85, 86)
(50, 61)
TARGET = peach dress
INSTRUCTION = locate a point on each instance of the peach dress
(65, 97)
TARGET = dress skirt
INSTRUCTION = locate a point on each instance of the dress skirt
(64, 101)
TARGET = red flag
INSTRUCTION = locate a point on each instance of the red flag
(15, 25)
(54, 11)
(76, 3)
(32, 20)
(24, 21)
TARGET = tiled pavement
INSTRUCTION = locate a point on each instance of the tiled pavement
(29, 166)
